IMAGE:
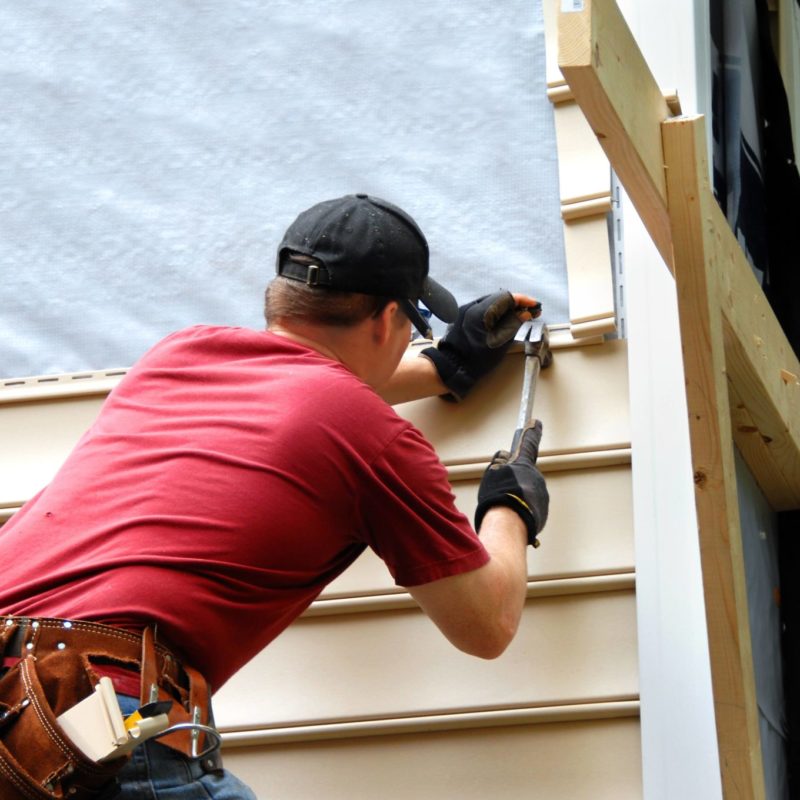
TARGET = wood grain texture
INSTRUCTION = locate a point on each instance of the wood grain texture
(702, 336)
(615, 89)
(758, 450)
(758, 357)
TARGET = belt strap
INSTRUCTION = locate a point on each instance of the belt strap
(163, 677)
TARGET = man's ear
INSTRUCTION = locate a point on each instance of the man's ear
(386, 321)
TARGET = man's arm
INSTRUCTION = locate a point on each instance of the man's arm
(479, 611)
(472, 346)
(413, 379)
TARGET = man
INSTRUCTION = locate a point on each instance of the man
(230, 476)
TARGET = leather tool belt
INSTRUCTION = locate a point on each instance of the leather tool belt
(48, 666)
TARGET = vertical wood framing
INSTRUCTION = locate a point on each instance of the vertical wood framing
(701, 321)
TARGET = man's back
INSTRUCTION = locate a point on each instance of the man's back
(228, 478)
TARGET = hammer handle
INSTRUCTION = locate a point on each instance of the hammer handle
(532, 367)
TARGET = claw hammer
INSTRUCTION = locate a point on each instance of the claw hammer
(538, 356)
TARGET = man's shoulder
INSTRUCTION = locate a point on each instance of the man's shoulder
(214, 341)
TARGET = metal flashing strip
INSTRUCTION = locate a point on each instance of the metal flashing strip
(610, 708)
(616, 241)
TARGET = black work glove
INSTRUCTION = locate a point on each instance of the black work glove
(512, 480)
(475, 343)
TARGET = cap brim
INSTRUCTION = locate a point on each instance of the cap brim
(417, 320)
(437, 300)
(441, 303)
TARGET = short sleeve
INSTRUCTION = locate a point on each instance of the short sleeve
(409, 515)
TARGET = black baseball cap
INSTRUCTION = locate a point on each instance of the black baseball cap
(367, 245)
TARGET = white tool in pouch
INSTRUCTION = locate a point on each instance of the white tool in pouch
(96, 726)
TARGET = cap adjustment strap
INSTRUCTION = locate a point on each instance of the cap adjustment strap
(310, 274)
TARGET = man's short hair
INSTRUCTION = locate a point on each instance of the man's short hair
(293, 300)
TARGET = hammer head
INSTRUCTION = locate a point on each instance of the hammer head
(537, 344)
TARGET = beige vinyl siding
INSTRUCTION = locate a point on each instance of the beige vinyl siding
(589, 515)
(595, 760)
(391, 664)
(364, 684)
(584, 178)
(363, 697)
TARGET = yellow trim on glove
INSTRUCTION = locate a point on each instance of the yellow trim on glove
(521, 502)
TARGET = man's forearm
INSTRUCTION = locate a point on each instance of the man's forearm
(416, 377)
(503, 534)
(479, 611)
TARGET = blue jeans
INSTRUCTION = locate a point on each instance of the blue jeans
(156, 772)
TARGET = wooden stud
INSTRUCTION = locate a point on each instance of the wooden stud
(739, 367)
(702, 336)
(755, 449)
(758, 356)
(673, 103)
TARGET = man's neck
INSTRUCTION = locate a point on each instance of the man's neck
(312, 341)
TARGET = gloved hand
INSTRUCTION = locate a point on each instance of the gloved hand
(512, 480)
(475, 343)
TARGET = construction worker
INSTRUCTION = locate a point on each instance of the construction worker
(229, 477)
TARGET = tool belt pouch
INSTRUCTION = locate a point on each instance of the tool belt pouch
(37, 759)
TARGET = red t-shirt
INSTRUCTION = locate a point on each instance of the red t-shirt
(227, 479)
